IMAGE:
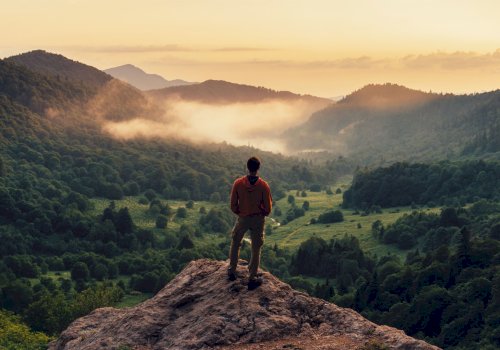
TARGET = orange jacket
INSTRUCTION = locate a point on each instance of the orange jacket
(250, 200)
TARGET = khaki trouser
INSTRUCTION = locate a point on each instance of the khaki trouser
(256, 226)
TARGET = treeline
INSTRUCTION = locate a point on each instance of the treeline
(409, 125)
(432, 230)
(339, 259)
(443, 183)
(38, 92)
(447, 291)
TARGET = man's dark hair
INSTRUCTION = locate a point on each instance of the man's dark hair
(253, 164)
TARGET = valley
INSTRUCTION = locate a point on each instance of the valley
(403, 229)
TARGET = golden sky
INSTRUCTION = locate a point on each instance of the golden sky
(326, 48)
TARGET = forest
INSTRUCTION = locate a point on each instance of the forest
(442, 183)
(446, 290)
(68, 248)
(383, 123)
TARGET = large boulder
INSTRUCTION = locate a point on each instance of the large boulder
(201, 309)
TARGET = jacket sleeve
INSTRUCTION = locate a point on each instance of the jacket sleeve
(234, 200)
(267, 201)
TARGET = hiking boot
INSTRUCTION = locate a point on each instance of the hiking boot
(231, 275)
(254, 282)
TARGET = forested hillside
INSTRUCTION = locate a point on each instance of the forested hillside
(425, 184)
(36, 92)
(61, 67)
(52, 84)
(219, 91)
(386, 123)
(88, 220)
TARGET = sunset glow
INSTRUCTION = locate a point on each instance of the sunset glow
(326, 48)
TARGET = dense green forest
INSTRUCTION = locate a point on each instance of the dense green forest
(446, 291)
(386, 123)
(441, 183)
(60, 257)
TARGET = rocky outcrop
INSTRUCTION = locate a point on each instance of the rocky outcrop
(201, 309)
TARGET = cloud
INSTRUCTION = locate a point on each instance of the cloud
(362, 62)
(459, 60)
(132, 48)
(241, 49)
(453, 61)
(162, 48)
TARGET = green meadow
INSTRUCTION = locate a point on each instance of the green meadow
(144, 219)
(289, 235)
(293, 233)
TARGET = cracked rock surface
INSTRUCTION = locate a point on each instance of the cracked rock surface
(201, 309)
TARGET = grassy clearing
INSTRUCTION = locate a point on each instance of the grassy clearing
(54, 275)
(295, 232)
(144, 219)
(288, 236)
(130, 300)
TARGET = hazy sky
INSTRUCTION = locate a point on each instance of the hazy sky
(327, 48)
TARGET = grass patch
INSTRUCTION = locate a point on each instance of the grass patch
(130, 300)
(144, 219)
(288, 236)
(296, 231)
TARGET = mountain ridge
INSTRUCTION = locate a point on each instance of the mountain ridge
(137, 77)
(221, 91)
(389, 122)
(201, 309)
(81, 90)
(56, 65)
(387, 96)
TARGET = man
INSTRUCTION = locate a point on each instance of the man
(251, 200)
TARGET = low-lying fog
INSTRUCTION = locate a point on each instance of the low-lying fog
(255, 124)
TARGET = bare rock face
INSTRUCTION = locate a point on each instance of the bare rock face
(201, 309)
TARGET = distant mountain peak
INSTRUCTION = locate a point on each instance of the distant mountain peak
(201, 309)
(54, 64)
(137, 77)
(387, 95)
(221, 91)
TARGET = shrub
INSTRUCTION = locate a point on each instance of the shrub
(150, 194)
(181, 212)
(161, 221)
(305, 205)
(315, 188)
(80, 271)
(331, 216)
